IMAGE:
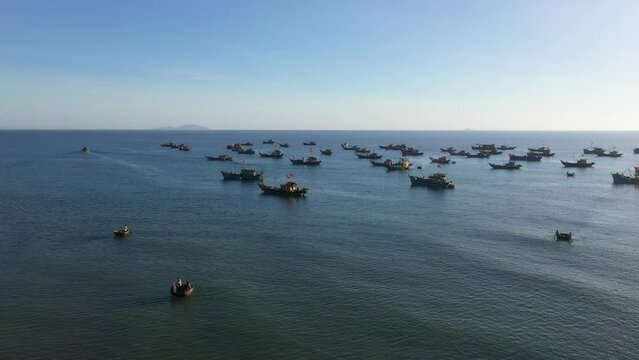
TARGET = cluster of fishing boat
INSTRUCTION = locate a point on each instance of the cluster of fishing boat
(173, 145)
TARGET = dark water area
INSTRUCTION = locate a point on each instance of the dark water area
(365, 267)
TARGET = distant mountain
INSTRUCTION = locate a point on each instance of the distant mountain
(183, 127)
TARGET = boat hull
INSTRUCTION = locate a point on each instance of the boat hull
(272, 190)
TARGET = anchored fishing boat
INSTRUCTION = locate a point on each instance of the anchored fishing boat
(393, 147)
(284, 145)
(182, 290)
(484, 147)
(247, 151)
(594, 150)
(435, 181)
(184, 147)
(290, 189)
(459, 153)
(169, 145)
(243, 175)
(636, 151)
(122, 232)
(440, 160)
(479, 155)
(268, 142)
(219, 158)
(378, 163)
(581, 163)
(411, 152)
(362, 150)
(506, 147)
(511, 165)
(528, 157)
(449, 150)
(310, 143)
(621, 178)
(327, 152)
(311, 161)
(272, 154)
(612, 154)
(372, 155)
(85, 149)
(402, 164)
(347, 146)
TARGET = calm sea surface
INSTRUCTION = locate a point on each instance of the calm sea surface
(365, 267)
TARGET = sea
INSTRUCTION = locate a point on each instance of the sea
(364, 267)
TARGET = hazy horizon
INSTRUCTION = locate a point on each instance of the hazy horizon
(357, 65)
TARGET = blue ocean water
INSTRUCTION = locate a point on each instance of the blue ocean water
(364, 267)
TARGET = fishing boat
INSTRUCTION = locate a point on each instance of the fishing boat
(243, 175)
(378, 163)
(219, 158)
(284, 145)
(268, 142)
(248, 143)
(327, 152)
(272, 154)
(347, 146)
(184, 147)
(85, 149)
(248, 151)
(636, 151)
(506, 147)
(410, 151)
(459, 153)
(484, 147)
(563, 236)
(311, 161)
(570, 173)
(581, 163)
(594, 150)
(479, 155)
(290, 189)
(449, 150)
(440, 160)
(169, 145)
(621, 178)
(183, 290)
(362, 150)
(542, 149)
(435, 181)
(369, 156)
(310, 143)
(511, 165)
(528, 157)
(393, 147)
(613, 154)
(402, 164)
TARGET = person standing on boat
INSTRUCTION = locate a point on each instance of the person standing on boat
(179, 282)
(126, 228)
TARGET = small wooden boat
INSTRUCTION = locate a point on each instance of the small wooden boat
(185, 290)
(121, 232)
(581, 163)
(248, 143)
(311, 161)
(269, 141)
(636, 151)
(243, 175)
(219, 158)
(362, 150)
(369, 156)
(440, 160)
(248, 151)
(563, 236)
(449, 150)
(85, 149)
(290, 189)
(612, 154)
(479, 155)
(528, 157)
(169, 145)
(570, 174)
(310, 143)
(435, 181)
(378, 163)
(347, 146)
(272, 154)
(327, 152)
(540, 150)
(506, 147)
(511, 165)
(284, 145)
(184, 147)
(411, 152)
(393, 147)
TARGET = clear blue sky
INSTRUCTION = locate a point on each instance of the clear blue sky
(320, 64)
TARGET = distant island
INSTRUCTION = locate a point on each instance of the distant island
(183, 127)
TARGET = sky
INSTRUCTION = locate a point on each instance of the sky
(302, 65)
